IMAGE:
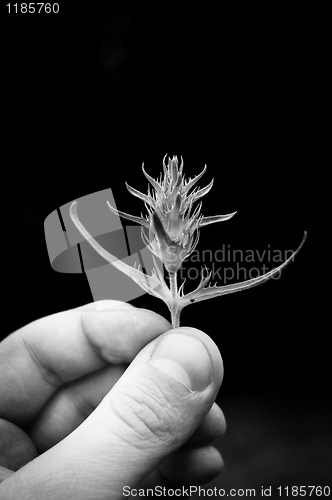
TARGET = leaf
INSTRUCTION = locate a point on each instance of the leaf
(133, 218)
(203, 282)
(210, 292)
(193, 181)
(215, 218)
(154, 284)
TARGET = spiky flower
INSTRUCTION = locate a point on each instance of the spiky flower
(173, 225)
(172, 221)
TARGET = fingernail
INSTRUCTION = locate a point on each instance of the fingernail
(185, 359)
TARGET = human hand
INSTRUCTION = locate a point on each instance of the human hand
(75, 422)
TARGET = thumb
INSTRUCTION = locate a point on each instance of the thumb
(151, 411)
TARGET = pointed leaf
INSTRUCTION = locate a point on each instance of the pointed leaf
(201, 192)
(138, 194)
(214, 291)
(164, 166)
(151, 180)
(193, 181)
(133, 218)
(215, 218)
(151, 284)
(202, 284)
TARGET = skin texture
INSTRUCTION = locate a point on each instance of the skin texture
(85, 409)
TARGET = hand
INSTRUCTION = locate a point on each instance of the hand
(77, 422)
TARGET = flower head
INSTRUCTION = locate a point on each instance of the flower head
(173, 226)
(172, 221)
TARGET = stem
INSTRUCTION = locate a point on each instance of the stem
(173, 283)
(175, 313)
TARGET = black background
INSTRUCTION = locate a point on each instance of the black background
(90, 93)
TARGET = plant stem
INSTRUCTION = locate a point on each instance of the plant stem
(175, 313)
(173, 283)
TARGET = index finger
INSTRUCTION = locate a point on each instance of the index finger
(37, 359)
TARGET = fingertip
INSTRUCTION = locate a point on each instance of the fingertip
(212, 428)
(119, 332)
(163, 322)
(209, 345)
(194, 466)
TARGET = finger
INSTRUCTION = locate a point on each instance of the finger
(185, 468)
(4, 473)
(193, 466)
(36, 360)
(213, 427)
(151, 412)
(74, 402)
(71, 405)
(16, 448)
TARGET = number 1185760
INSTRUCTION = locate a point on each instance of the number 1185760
(33, 8)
